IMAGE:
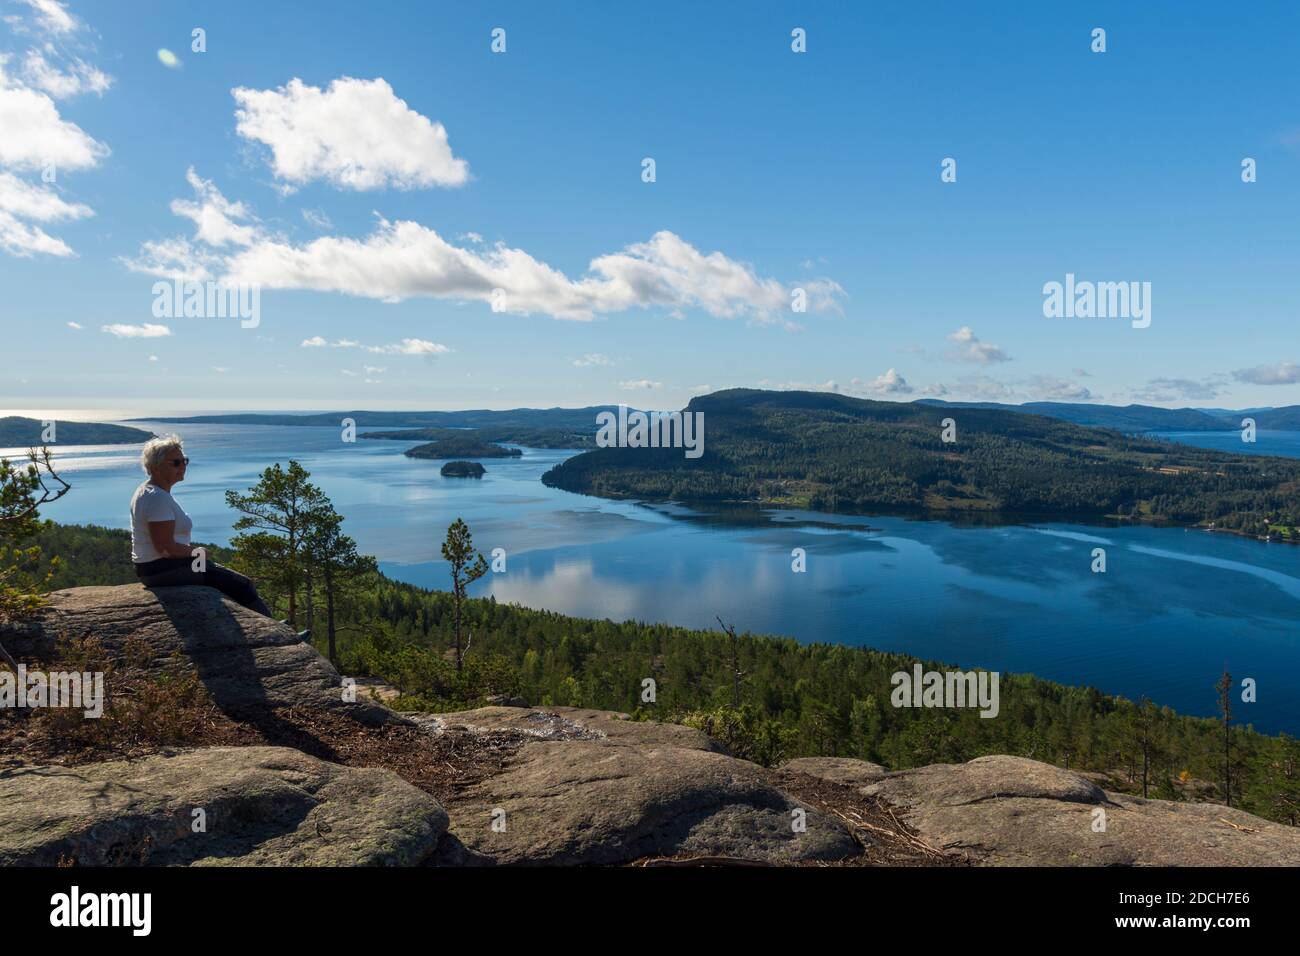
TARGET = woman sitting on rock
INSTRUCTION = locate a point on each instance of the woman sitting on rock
(160, 532)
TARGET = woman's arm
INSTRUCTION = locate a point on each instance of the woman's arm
(162, 534)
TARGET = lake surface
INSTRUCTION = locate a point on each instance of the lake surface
(1173, 608)
(1267, 442)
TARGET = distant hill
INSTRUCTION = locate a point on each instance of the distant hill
(1282, 419)
(542, 423)
(1132, 419)
(16, 432)
(513, 434)
(581, 420)
(825, 451)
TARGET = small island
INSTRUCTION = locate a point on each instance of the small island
(462, 469)
(461, 446)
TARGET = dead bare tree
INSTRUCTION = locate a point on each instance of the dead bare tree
(736, 673)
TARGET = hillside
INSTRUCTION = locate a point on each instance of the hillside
(214, 706)
(26, 432)
(819, 700)
(1282, 419)
(831, 452)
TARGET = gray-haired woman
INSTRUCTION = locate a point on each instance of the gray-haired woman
(160, 531)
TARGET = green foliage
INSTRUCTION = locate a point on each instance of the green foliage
(281, 510)
(467, 566)
(24, 575)
(746, 733)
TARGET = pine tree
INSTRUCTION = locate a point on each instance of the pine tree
(339, 568)
(467, 566)
(284, 504)
(1224, 687)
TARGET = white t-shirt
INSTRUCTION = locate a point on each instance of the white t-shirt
(151, 503)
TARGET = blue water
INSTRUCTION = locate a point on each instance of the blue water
(1173, 608)
(1267, 442)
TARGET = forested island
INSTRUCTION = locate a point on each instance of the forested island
(459, 445)
(830, 452)
(462, 469)
(16, 431)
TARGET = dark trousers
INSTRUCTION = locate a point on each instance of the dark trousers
(172, 572)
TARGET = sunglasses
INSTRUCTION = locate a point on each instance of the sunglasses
(177, 462)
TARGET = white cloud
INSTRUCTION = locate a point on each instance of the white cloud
(53, 16)
(640, 383)
(213, 215)
(317, 219)
(146, 331)
(592, 358)
(153, 358)
(36, 137)
(404, 260)
(1048, 389)
(74, 325)
(404, 347)
(410, 347)
(174, 259)
(1177, 389)
(1282, 373)
(888, 383)
(21, 205)
(971, 349)
(357, 134)
(79, 77)
(978, 388)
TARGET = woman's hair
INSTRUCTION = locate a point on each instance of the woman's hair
(156, 449)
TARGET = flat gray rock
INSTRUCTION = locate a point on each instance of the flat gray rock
(843, 770)
(570, 723)
(1010, 811)
(245, 661)
(262, 806)
(596, 802)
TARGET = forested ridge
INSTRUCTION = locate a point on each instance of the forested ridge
(832, 452)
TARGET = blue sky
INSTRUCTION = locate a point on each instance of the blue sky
(378, 170)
